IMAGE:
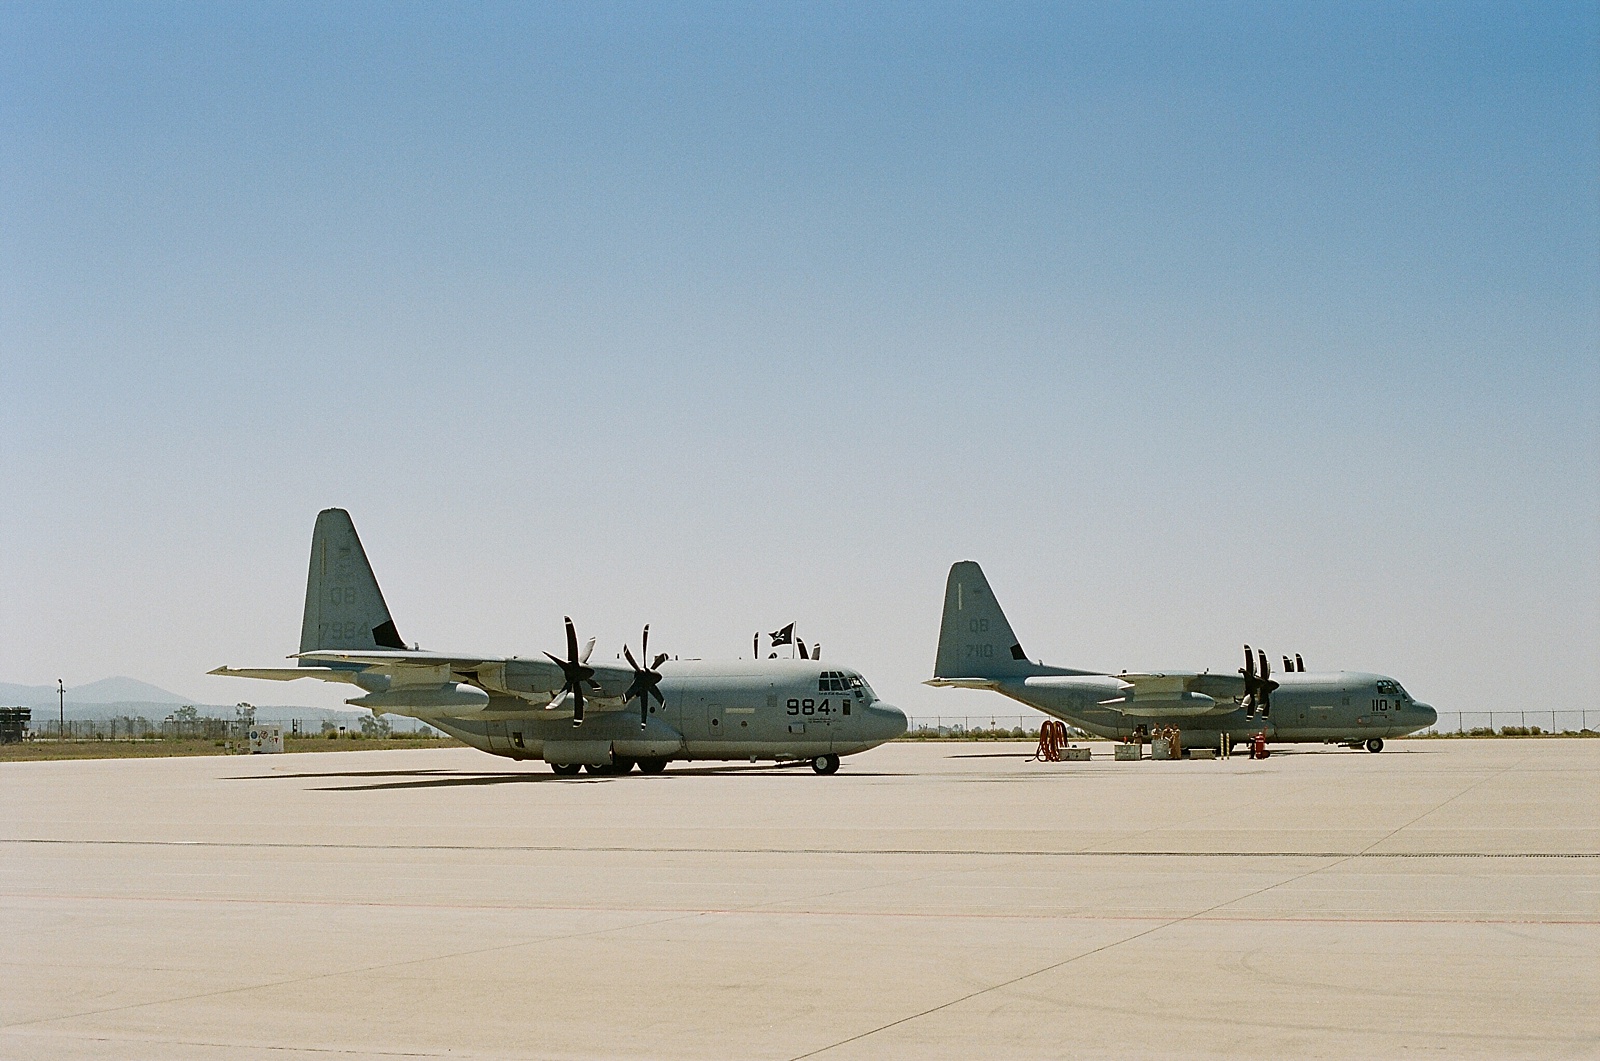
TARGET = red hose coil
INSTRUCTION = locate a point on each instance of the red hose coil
(1052, 741)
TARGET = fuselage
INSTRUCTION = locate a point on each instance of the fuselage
(752, 710)
(1324, 707)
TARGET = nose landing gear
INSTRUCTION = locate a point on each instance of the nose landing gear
(825, 764)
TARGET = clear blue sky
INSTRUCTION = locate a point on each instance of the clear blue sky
(1196, 324)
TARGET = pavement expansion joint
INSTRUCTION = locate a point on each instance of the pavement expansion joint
(664, 849)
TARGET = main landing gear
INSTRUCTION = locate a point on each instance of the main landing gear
(825, 764)
(620, 765)
(1375, 745)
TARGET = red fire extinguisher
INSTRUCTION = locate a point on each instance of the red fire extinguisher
(1258, 746)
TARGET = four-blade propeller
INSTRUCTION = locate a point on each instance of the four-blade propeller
(645, 679)
(1257, 688)
(576, 671)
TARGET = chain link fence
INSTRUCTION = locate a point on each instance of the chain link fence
(1465, 723)
(1020, 727)
(1515, 723)
(220, 729)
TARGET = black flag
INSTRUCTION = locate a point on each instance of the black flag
(784, 636)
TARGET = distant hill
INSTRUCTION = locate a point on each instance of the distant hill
(104, 691)
(131, 698)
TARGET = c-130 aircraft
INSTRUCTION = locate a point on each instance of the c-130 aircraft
(977, 650)
(570, 712)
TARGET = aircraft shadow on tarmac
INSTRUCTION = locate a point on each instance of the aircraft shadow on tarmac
(1240, 754)
(340, 773)
(458, 779)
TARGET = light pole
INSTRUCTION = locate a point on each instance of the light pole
(61, 707)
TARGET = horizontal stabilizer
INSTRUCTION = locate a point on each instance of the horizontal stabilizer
(963, 683)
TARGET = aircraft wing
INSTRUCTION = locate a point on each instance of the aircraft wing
(1170, 694)
(385, 657)
(532, 679)
(1216, 686)
(1176, 693)
(288, 674)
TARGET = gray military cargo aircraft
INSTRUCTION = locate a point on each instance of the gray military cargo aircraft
(566, 710)
(977, 650)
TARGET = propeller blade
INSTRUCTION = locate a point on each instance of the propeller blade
(1299, 664)
(1249, 673)
(755, 645)
(1266, 670)
(816, 651)
(1287, 665)
(660, 659)
(574, 671)
(645, 679)
(803, 653)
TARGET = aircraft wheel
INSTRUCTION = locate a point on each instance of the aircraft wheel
(623, 765)
(1375, 745)
(652, 766)
(566, 769)
(825, 764)
(600, 768)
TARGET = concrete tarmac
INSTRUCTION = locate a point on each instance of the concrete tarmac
(935, 900)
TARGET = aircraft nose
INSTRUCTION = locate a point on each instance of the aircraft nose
(891, 721)
(1427, 712)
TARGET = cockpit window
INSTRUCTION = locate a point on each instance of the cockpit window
(838, 681)
(1388, 688)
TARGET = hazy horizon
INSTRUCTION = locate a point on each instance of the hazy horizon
(1194, 324)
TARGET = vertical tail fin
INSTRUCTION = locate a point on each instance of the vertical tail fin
(344, 606)
(975, 640)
